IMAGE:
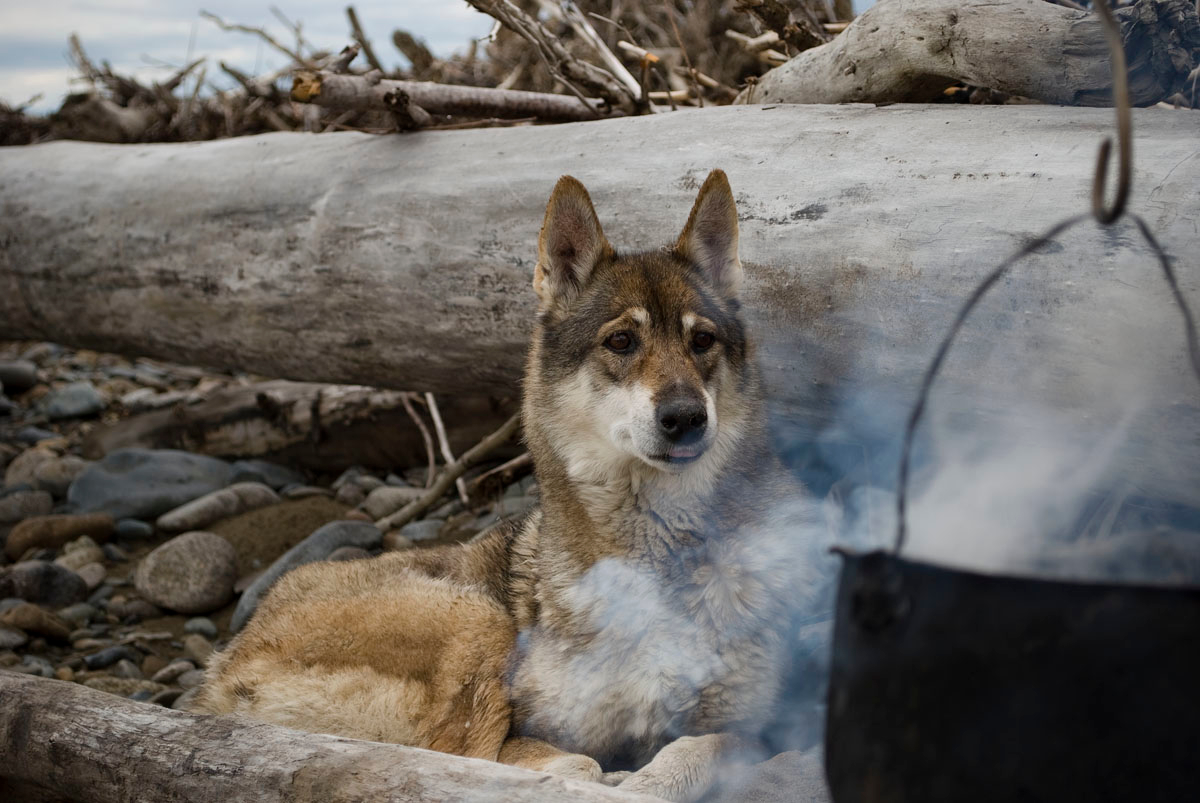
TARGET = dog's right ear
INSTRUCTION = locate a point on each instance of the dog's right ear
(570, 246)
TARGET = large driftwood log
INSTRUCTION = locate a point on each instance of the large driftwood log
(910, 50)
(62, 741)
(406, 262)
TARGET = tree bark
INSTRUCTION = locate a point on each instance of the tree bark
(911, 50)
(406, 262)
(63, 741)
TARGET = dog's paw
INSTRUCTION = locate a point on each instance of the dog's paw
(575, 766)
(682, 771)
(615, 778)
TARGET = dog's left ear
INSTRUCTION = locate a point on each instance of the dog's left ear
(570, 246)
(710, 239)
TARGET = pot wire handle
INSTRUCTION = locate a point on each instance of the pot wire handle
(1105, 215)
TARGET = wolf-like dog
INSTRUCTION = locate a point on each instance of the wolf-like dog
(636, 622)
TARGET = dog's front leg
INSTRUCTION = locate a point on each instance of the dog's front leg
(534, 754)
(686, 768)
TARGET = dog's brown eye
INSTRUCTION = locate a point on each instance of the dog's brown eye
(619, 341)
(702, 341)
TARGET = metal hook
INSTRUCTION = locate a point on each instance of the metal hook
(1106, 215)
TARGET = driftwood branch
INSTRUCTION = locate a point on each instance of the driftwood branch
(66, 742)
(911, 50)
(360, 38)
(795, 25)
(444, 443)
(261, 33)
(579, 76)
(450, 475)
(359, 92)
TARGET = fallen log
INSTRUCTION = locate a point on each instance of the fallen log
(325, 428)
(66, 742)
(358, 92)
(406, 262)
(911, 50)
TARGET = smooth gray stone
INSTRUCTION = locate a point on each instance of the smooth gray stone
(424, 530)
(32, 435)
(44, 583)
(270, 474)
(317, 546)
(109, 656)
(133, 529)
(202, 625)
(76, 400)
(145, 483)
(18, 375)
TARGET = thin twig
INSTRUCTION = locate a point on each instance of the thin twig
(444, 443)
(451, 473)
(683, 50)
(420, 422)
(357, 32)
(506, 471)
(262, 34)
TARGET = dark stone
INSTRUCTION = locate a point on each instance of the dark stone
(269, 474)
(18, 375)
(76, 400)
(109, 656)
(44, 583)
(145, 483)
(134, 530)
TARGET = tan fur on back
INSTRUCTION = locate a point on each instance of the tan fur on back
(374, 650)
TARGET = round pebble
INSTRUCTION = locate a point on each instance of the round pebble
(202, 625)
(191, 573)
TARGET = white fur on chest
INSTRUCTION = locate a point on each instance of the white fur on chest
(652, 656)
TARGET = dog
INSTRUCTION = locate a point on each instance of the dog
(633, 628)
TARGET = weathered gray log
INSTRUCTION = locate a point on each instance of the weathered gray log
(77, 744)
(910, 50)
(406, 262)
(322, 427)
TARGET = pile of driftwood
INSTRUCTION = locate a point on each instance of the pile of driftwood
(557, 60)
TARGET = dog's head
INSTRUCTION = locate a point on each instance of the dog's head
(643, 355)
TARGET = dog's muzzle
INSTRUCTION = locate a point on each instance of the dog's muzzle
(682, 422)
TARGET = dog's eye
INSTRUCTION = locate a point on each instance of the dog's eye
(703, 341)
(619, 342)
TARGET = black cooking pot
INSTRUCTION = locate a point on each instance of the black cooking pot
(948, 685)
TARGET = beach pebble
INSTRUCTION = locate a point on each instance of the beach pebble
(33, 619)
(18, 375)
(145, 483)
(54, 531)
(191, 573)
(20, 505)
(202, 625)
(43, 582)
(76, 400)
(213, 507)
(197, 649)
(387, 499)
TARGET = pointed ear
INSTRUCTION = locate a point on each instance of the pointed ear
(710, 238)
(570, 246)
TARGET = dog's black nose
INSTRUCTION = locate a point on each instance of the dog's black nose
(682, 420)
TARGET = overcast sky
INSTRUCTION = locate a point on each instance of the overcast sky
(134, 35)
